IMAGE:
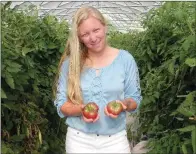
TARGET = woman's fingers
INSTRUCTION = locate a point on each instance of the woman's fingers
(113, 116)
(96, 118)
(82, 106)
(123, 105)
(106, 111)
(108, 114)
(87, 120)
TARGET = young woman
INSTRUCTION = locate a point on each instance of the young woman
(92, 71)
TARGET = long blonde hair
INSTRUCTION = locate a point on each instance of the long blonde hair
(77, 53)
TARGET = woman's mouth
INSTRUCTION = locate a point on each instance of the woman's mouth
(95, 44)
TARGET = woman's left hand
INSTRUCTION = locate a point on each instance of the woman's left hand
(123, 105)
(112, 115)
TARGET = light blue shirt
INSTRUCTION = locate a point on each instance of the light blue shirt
(116, 81)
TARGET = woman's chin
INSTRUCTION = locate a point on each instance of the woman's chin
(98, 48)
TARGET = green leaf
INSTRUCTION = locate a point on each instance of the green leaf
(185, 112)
(40, 136)
(41, 44)
(174, 149)
(51, 45)
(17, 138)
(177, 73)
(191, 62)
(187, 141)
(188, 107)
(187, 128)
(3, 94)
(184, 149)
(13, 69)
(31, 73)
(149, 52)
(13, 64)
(156, 94)
(149, 66)
(9, 125)
(12, 106)
(171, 68)
(190, 98)
(5, 149)
(193, 137)
(179, 15)
(26, 50)
(173, 113)
(168, 149)
(10, 81)
(190, 39)
(61, 50)
(180, 119)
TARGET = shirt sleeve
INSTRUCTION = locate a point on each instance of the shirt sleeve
(132, 81)
(61, 95)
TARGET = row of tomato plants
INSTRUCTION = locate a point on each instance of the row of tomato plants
(31, 48)
(166, 56)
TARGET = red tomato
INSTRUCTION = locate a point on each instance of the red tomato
(90, 111)
(114, 108)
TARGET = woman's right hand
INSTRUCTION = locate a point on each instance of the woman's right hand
(108, 114)
(90, 120)
(112, 115)
(86, 119)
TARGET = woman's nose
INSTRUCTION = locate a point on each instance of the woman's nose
(92, 38)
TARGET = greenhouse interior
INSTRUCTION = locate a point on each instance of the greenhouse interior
(159, 35)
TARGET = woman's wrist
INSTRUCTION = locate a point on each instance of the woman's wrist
(78, 108)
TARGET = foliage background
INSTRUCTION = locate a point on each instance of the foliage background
(166, 57)
(31, 48)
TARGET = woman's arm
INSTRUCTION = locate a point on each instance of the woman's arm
(132, 89)
(70, 109)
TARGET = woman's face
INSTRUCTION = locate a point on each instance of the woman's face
(93, 34)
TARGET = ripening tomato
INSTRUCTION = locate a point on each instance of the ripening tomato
(90, 111)
(93, 105)
(114, 108)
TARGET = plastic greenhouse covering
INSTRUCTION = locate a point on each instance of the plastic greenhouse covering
(122, 15)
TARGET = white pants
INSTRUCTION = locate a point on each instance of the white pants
(79, 142)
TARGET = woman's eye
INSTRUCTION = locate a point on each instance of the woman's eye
(84, 35)
(96, 30)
